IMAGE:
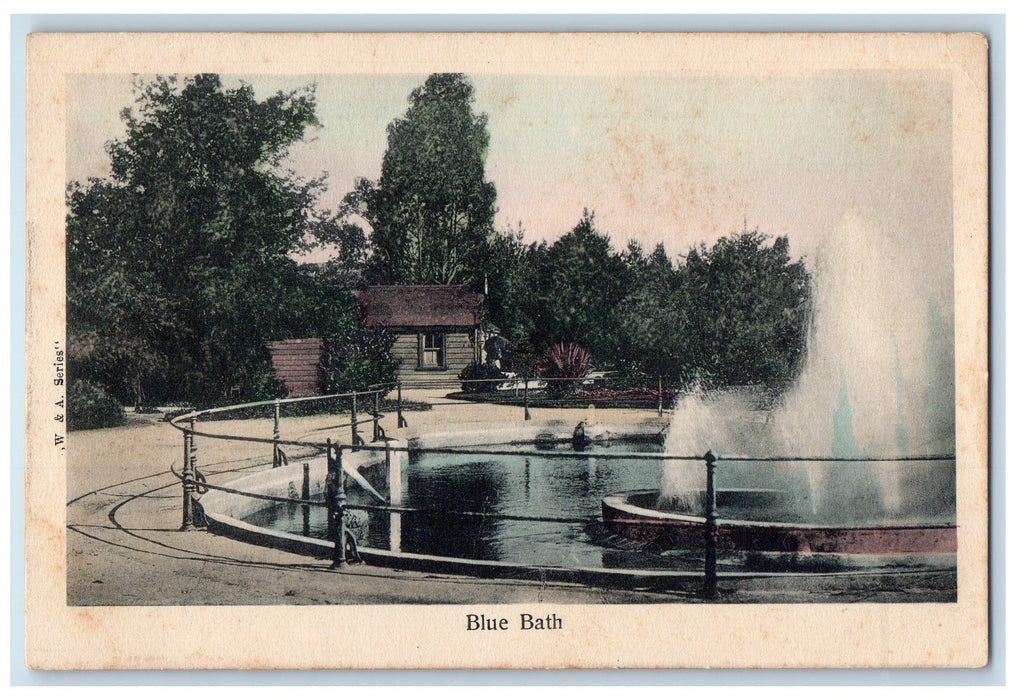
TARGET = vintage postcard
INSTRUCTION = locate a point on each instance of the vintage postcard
(507, 351)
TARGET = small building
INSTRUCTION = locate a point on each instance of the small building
(437, 328)
(299, 366)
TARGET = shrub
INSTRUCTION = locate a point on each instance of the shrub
(360, 359)
(90, 405)
(258, 383)
(524, 361)
(481, 371)
(564, 362)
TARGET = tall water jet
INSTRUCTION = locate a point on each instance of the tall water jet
(722, 421)
(877, 383)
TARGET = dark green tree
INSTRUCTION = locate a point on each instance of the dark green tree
(510, 281)
(651, 320)
(747, 306)
(118, 318)
(361, 358)
(581, 279)
(179, 265)
(432, 211)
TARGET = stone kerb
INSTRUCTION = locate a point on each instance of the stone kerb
(282, 482)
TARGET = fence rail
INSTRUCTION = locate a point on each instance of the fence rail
(193, 482)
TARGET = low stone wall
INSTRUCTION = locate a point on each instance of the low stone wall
(287, 482)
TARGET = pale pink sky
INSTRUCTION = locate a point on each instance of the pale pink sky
(672, 159)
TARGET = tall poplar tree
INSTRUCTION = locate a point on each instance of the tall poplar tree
(432, 210)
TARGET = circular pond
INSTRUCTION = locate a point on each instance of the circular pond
(556, 498)
(545, 510)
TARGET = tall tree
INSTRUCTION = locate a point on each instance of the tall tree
(581, 280)
(179, 264)
(748, 306)
(652, 319)
(432, 210)
(511, 276)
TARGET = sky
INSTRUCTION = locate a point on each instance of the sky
(672, 159)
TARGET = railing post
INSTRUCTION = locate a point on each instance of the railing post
(525, 397)
(394, 466)
(330, 490)
(352, 423)
(276, 434)
(659, 403)
(305, 495)
(709, 583)
(377, 415)
(193, 451)
(402, 421)
(188, 482)
(339, 554)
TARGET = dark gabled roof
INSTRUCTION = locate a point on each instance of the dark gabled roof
(421, 306)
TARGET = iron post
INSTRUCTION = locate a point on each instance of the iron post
(352, 423)
(388, 469)
(193, 451)
(659, 403)
(305, 495)
(339, 555)
(330, 490)
(377, 415)
(709, 583)
(188, 483)
(276, 434)
(525, 398)
(402, 421)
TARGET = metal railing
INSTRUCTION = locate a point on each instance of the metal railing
(194, 483)
(192, 478)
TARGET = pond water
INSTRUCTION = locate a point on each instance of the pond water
(570, 486)
(561, 484)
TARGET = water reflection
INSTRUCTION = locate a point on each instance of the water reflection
(442, 485)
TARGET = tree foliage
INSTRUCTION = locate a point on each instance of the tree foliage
(748, 307)
(432, 210)
(361, 358)
(89, 406)
(653, 319)
(179, 264)
(733, 313)
(580, 279)
(512, 284)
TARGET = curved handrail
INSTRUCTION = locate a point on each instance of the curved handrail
(194, 415)
(192, 480)
(268, 402)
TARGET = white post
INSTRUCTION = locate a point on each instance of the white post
(393, 460)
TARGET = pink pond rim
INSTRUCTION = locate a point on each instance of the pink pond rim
(670, 530)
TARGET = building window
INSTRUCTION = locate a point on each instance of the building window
(432, 351)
